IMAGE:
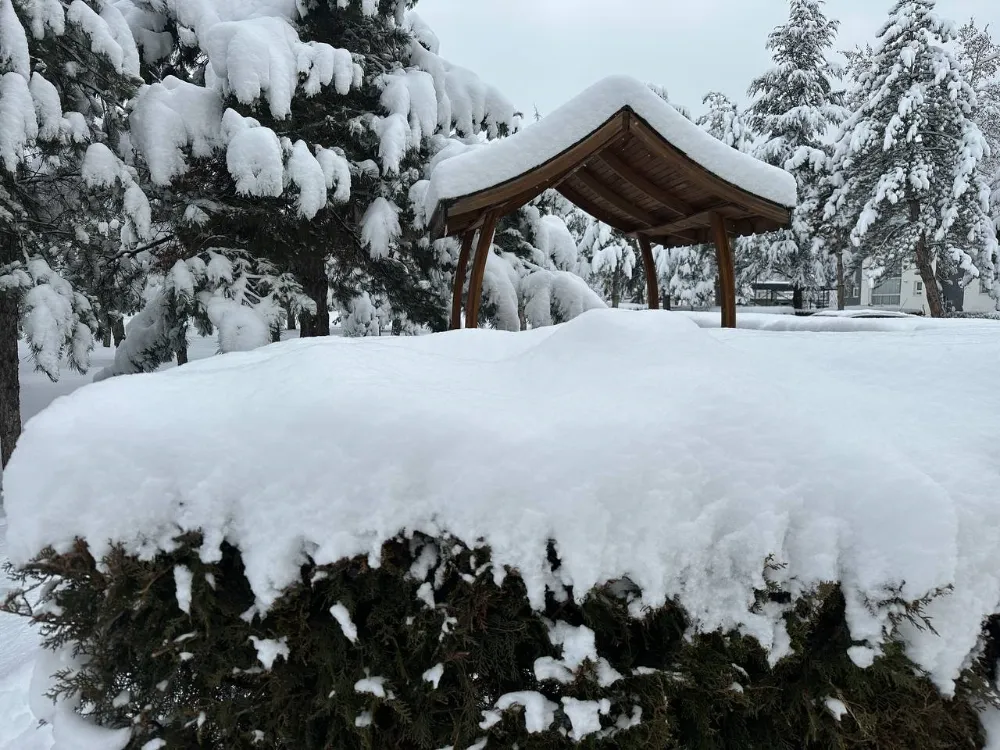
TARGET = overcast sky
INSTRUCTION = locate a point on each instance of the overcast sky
(543, 52)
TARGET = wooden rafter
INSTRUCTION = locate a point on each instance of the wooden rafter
(696, 219)
(662, 196)
(589, 180)
(579, 199)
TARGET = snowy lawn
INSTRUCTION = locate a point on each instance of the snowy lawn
(862, 451)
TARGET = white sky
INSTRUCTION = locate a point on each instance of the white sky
(543, 52)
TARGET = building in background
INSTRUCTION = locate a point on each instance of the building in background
(905, 292)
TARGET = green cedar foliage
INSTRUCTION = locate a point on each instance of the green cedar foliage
(194, 680)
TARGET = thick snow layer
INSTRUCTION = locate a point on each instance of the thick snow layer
(718, 455)
(18, 124)
(502, 160)
(380, 227)
(14, 53)
(109, 35)
(171, 116)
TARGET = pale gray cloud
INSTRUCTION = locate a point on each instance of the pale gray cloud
(542, 52)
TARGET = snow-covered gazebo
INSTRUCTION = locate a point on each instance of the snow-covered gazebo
(625, 156)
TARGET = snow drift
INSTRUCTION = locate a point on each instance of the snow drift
(864, 458)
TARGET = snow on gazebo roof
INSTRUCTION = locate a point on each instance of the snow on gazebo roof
(655, 172)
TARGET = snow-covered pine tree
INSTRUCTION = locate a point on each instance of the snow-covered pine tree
(688, 275)
(982, 53)
(535, 275)
(65, 70)
(726, 122)
(306, 144)
(906, 169)
(795, 104)
(244, 300)
(613, 261)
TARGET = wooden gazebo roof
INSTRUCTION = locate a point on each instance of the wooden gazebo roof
(627, 158)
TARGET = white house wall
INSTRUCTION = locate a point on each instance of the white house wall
(912, 300)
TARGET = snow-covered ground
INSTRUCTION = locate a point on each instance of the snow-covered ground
(862, 450)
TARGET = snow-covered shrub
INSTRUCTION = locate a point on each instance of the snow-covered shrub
(430, 649)
(682, 519)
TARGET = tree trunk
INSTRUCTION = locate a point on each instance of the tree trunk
(798, 298)
(106, 338)
(10, 383)
(118, 329)
(666, 301)
(305, 325)
(926, 268)
(291, 318)
(616, 292)
(317, 286)
(841, 285)
(276, 333)
(182, 355)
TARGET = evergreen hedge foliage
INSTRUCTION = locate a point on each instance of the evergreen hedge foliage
(195, 680)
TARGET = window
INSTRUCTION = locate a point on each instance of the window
(918, 287)
(888, 292)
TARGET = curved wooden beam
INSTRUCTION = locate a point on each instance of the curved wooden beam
(649, 262)
(479, 269)
(727, 270)
(459, 286)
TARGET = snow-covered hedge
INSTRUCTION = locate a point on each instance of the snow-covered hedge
(395, 543)
(432, 649)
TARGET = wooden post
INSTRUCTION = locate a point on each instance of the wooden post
(463, 265)
(479, 270)
(652, 287)
(727, 271)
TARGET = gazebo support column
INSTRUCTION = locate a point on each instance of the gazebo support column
(652, 287)
(479, 269)
(727, 270)
(460, 271)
